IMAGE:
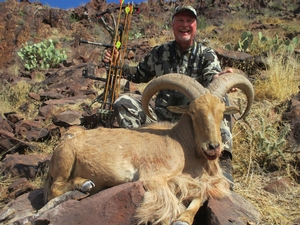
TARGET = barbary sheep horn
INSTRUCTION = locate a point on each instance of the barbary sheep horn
(192, 89)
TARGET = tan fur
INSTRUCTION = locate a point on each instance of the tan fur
(170, 161)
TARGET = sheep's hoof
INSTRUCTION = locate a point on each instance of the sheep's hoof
(179, 223)
(87, 186)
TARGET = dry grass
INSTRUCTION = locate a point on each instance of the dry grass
(236, 23)
(291, 26)
(274, 208)
(259, 149)
(12, 96)
(4, 183)
(274, 21)
(260, 143)
(281, 79)
(13, 70)
(48, 145)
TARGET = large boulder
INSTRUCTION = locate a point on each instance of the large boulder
(114, 206)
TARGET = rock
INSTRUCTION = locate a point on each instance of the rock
(240, 60)
(65, 101)
(294, 116)
(297, 221)
(19, 187)
(51, 95)
(25, 205)
(115, 205)
(4, 125)
(10, 144)
(31, 130)
(280, 186)
(90, 118)
(28, 166)
(47, 111)
(13, 117)
(112, 206)
(68, 118)
(34, 96)
(234, 210)
(96, 55)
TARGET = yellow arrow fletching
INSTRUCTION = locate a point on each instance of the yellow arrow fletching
(118, 44)
(127, 9)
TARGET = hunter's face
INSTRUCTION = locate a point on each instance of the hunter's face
(184, 27)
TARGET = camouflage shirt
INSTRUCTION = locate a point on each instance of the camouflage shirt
(167, 58)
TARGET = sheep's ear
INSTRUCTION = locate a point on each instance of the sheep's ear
(179, 109)
(231, 110)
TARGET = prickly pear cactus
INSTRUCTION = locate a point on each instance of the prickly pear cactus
(41, 55)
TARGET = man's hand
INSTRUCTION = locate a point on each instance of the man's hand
(230, 70)
(107, 56)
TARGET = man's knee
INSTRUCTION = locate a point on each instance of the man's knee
(121, 101)
(128, 112)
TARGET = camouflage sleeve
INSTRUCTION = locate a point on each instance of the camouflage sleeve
(144, 71)
(211, 66)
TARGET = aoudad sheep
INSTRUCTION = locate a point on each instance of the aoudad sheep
(177, 163)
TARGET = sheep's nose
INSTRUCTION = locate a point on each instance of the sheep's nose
(213, 146)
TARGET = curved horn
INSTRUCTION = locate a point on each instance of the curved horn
(186, 85)
(224, 83)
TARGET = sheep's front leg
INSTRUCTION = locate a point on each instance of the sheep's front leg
(187, 216)
(60, 187)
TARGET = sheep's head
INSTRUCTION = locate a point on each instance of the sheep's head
(206, 113)
(206, 108)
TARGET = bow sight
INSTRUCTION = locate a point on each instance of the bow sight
(119, 34)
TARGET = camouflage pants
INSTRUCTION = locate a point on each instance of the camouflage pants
(129, 114)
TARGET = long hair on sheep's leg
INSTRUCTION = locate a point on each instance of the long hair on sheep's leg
(214, 181)
(47, 188)
(166, 198)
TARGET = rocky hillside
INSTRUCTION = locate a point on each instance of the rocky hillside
(38, 106)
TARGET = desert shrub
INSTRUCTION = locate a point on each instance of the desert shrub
(281, 79)
(262, 138)
(43, 55)
(264, 141)
(13, 69)
(13, 95)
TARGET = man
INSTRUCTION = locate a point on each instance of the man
(183, 55)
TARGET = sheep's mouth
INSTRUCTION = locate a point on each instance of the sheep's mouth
(211, 154)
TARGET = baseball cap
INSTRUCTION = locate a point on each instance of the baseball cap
(184, 8)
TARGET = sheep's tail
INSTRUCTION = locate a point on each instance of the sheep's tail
(165, 199)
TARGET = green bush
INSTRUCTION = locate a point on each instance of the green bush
(42, 55)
